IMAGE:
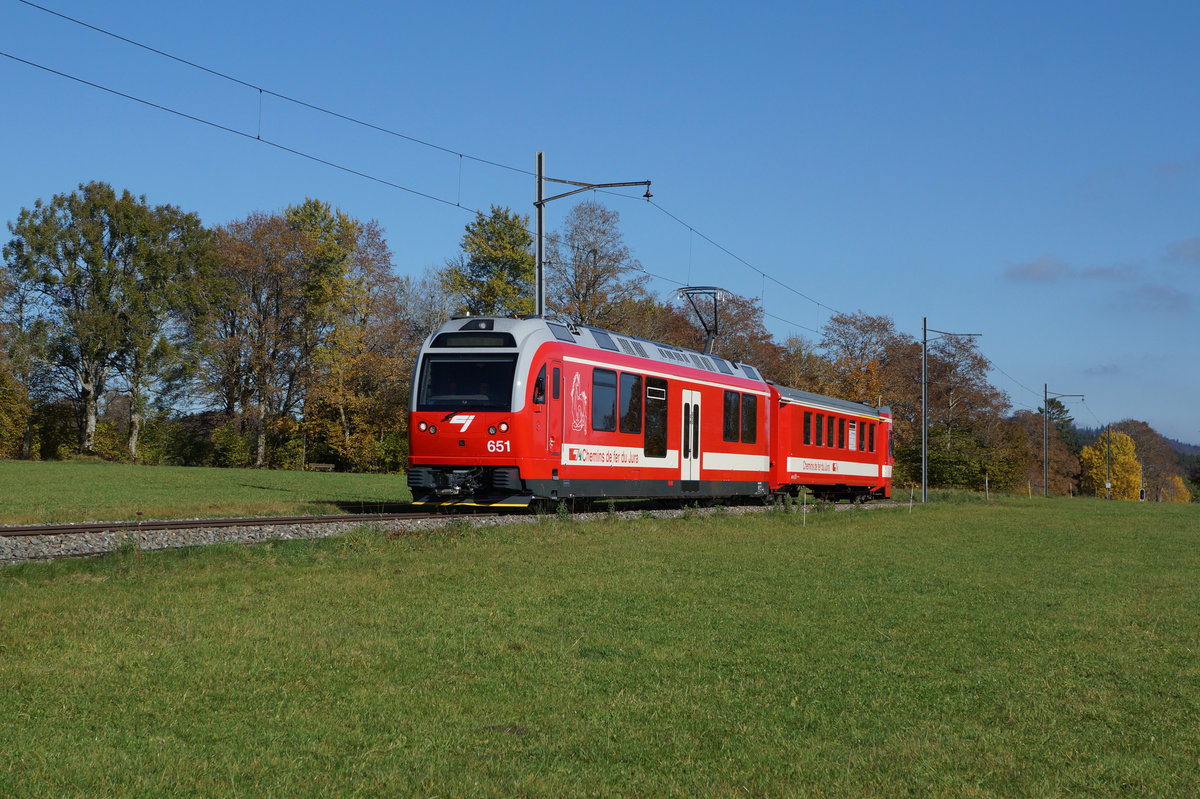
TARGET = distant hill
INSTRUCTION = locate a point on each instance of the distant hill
(1182, 448)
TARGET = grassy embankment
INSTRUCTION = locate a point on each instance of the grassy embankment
(76, 491)
(1030, 648)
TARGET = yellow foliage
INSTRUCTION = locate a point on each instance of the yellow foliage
(1179, 491)
(1098, 462)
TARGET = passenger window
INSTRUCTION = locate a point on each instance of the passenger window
(604, 400)
(554, 384)
(829, 432)
(820, 429)
(732, 416)
(631, 403)
(749, 418)
(539, 388)
(808, 427)
(656, 418)
(871, 437)
(841, 433)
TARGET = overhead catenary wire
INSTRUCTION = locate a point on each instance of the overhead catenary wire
(262, 90)
(236, 132)
(381, 129)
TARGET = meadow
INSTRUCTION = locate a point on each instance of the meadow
(45, 492)
(1024, 648)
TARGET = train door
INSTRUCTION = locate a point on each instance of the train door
(690, 444)
(554, 410)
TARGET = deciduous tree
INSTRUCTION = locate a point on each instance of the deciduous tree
(91, 264)
(1159, 462)
(591, 274)
(494, 273)
(1122, 463)
(255, 321)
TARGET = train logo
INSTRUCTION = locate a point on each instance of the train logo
(579, 399)
(464, 420)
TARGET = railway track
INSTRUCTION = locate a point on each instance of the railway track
(188, 524)
(50, 541)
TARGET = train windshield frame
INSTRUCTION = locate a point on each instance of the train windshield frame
(457, 382)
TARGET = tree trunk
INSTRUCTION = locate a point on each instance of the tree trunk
(89, 419)
(27, 441)
(260, 428)
(345, 423)
(135, 426)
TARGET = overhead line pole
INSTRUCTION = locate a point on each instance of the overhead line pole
(540, 204)
(1046, 394)
(925, 331)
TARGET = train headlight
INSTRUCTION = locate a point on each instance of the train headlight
(491, 431)
(433, 430)
(422, 426)
(504, 427)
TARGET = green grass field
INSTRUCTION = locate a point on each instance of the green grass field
(1028, 648)
(75, 491)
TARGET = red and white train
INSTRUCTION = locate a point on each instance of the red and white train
(505, 412)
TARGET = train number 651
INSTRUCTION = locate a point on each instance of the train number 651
(499, 446)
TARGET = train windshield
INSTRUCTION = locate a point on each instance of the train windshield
(478, 382)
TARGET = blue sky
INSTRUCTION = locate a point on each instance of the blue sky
(1030, 171)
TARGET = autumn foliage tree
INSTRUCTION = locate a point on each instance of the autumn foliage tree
(1099, 461)
(255, 322)
(363, 365)
(592, 277)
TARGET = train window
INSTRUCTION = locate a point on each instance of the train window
(841, 433)
(749, 419)
(603, 339)
(656, 418)
(820, 430)
(631, 403)
(561, 332)
(808, 427)
(871, 437)
(733, 412)
(829, 431)
(604, 400)
(452, 382)
(554, 383)
(539, 388)
(451, 340)
(862, 436)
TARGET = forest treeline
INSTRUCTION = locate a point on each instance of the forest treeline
(133, 332)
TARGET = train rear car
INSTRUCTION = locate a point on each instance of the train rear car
(835, 448)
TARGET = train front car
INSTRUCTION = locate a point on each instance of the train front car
(467, 426)
(508, 411)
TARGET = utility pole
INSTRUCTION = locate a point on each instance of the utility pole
(925, 331)
(540, 203)
(1108, 464)
(1046, 393)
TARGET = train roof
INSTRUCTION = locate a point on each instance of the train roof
(521, 330)
(598, 339)
(795, 395)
